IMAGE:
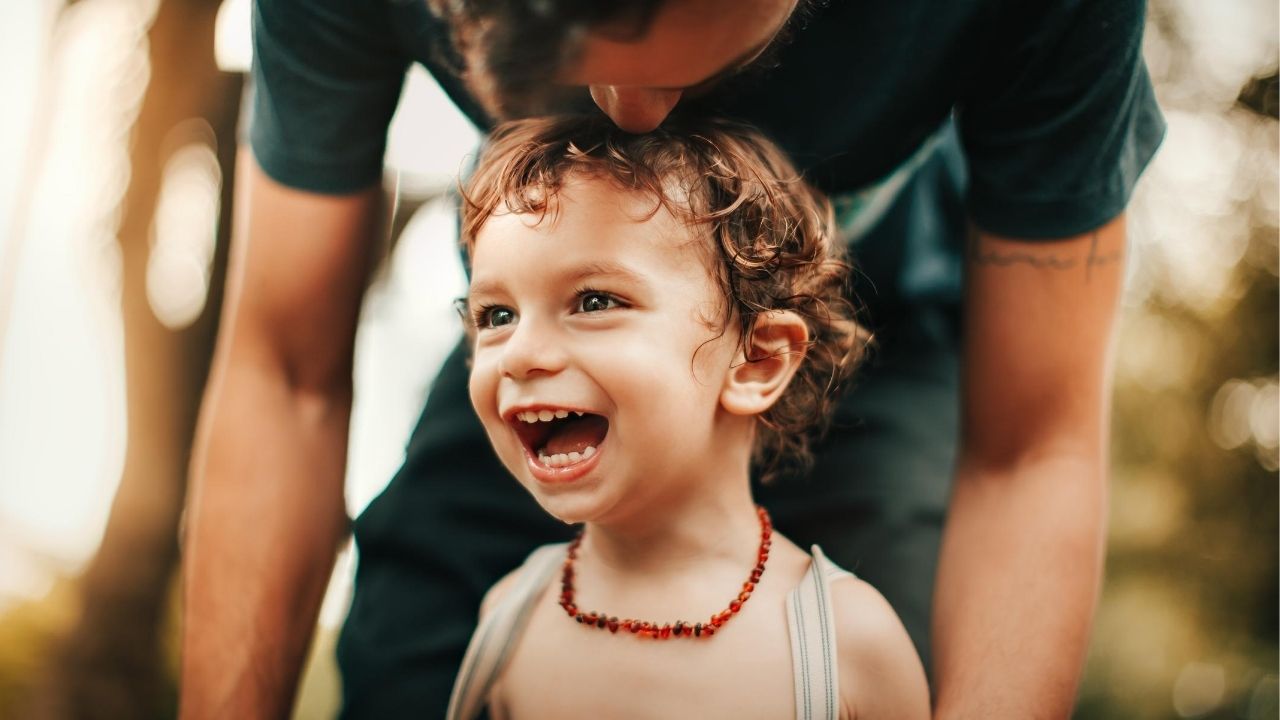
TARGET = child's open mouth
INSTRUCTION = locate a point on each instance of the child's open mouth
(558, 438)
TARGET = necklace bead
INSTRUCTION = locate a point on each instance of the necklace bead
(681, 629)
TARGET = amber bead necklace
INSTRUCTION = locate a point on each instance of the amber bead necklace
(680, 628)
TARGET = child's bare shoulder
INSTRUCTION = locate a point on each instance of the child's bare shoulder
(535, 563)
(880, 673)
(497, 592)
(497, 702)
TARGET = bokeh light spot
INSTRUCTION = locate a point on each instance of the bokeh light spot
(1229, 414)
(1199, 689)
(184, 230)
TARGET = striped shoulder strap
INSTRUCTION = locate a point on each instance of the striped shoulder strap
(497, 634)
(813, 641)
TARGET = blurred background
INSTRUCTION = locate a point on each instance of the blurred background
(117, 141)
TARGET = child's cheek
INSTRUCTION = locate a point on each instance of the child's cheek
(482, 388)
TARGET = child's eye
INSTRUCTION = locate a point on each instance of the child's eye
(494, 316)
(596, 301)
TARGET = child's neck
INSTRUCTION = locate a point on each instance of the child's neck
(683, 534)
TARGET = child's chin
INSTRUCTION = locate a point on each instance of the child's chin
(570, 511)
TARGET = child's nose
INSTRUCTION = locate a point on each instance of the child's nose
(532, 350)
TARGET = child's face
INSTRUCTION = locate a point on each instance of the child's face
(601, 311)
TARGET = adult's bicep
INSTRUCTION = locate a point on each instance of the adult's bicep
(1039, 323)
(300, 266)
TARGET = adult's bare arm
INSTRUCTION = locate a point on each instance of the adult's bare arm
(1021, 558)
(266, 514)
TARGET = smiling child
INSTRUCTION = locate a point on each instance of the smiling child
(655, 318)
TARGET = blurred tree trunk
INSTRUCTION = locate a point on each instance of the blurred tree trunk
(112, 664)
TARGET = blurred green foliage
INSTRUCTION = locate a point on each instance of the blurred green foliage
(1187, 626)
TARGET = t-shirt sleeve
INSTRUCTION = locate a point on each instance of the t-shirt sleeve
(1061, 120)
(325, 82)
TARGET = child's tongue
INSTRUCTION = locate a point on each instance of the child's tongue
(575, 434)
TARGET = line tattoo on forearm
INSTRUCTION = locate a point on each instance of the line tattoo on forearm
(1052, 261)
(1096, 259)
(995, 257)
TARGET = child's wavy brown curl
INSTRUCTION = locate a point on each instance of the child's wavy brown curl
(774, 236)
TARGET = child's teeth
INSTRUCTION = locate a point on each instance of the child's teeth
(556, 460)
(533, 416)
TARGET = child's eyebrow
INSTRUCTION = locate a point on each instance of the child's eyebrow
(601, 269)
(572, 275)
(484, 287)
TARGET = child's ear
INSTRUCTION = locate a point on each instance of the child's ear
(774, 352)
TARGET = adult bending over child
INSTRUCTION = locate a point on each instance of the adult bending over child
(1031, 121)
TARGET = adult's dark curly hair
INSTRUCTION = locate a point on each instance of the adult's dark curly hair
(515, 47)
(772, 233)
(509, 51)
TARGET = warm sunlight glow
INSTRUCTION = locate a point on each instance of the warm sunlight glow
(62, 422)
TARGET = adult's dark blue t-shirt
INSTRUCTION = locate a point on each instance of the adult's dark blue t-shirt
(1031, 120)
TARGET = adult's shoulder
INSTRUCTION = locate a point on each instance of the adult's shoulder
(326, 80)
(856, 88)
(1061, 119)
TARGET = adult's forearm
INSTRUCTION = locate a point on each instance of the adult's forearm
(1017, 586)
(264, 523)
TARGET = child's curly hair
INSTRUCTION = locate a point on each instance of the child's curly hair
(772, 232)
